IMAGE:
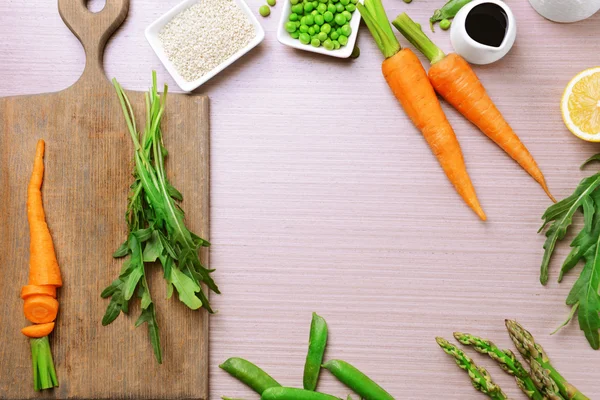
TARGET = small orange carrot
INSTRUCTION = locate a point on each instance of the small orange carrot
(409, 83)
(30, 290)
(39, 330)
(40, 309)
(454, 79)
(43, 265)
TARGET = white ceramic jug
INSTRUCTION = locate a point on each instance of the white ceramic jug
(475, 52)
(566, 10)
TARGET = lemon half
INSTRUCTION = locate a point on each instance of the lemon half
(580, 105)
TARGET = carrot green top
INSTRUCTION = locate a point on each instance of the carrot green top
(415, 35)
(377, 21)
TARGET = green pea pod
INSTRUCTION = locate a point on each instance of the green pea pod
(316, 348)
(248, 373)
(356, 380)
(285, 393)
(448, 11)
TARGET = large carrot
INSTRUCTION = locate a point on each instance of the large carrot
(454, 79)
(409, 83)
(43, 265)
(40, 306)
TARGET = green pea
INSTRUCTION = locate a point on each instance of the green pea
(304, 37)
(315, 3)
(317, 28)
(347, 15)
(339, 7)
(340, 19)
(302, 20)
(339, 31)
(314, 12)
(309, 20)
(445, 24)
(264, 10)
(293, 393)
(328, 44)
(346, 30)
(355, 52)
(334, 35)
(328, 16)
(294, 2)
(311, 31)
(331, 8)
(336, 44)
(343, 40)
(323, 2)
(315, 42)
(356, 380)
(298, 9)
(345, 2)
(303, 28)
(308, 7)
(326, 28)
(295, 34)
(321, 8)
(350, 8)
(249, 374)
(290, 27)
(293, 17)
(297, 23)
(408, 1)
(271, 2)
(322, 36)
(317, 339)
(319, 20)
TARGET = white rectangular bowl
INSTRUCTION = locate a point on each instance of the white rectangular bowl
(154, 29)
(343, 52)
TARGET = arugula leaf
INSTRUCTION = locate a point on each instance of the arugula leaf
(560, 217)
(149, 316)
(186, 288)
(153, 249)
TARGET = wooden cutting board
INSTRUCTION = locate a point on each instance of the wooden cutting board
(88, 173)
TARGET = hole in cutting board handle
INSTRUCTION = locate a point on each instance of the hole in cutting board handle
(95, 6)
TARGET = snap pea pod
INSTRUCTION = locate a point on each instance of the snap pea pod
(448, 11)
(248, 373)
(356, 380)
(316, 349)
(285, 393)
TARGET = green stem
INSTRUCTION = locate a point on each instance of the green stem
(415, 35)
(44, 375)
(376, 19)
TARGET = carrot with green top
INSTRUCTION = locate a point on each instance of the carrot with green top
(40, 306)
(409, 83)
(454, 79)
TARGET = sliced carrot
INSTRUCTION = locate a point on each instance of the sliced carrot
(30, 290)
(43, 265)
(40, 308)
(39, 330)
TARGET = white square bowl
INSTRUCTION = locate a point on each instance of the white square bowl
(343, 52)
(154, 29)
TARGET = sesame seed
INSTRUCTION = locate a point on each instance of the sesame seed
(203, 36)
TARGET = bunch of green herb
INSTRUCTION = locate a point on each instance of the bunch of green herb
(156, 228)
(542, 382)
(583, 298)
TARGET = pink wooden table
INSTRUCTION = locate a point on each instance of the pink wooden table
(325, 198)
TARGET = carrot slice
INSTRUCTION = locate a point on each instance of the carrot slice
(43, 265)
(40, 308)
(30, 290)
(39, 330)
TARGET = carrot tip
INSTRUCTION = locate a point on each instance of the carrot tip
(545, 187)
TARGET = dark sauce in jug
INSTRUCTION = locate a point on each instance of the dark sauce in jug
(486, 24)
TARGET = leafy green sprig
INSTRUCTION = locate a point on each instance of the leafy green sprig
(583, 297)
(156, 228)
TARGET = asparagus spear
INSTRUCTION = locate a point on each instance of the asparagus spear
(480, 378)
(544, 382)
(534, 353)
(507, 361)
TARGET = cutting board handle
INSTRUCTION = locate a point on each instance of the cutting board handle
(93, 31)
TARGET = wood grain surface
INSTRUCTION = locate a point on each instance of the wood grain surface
(88, 172)
(325, 198)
